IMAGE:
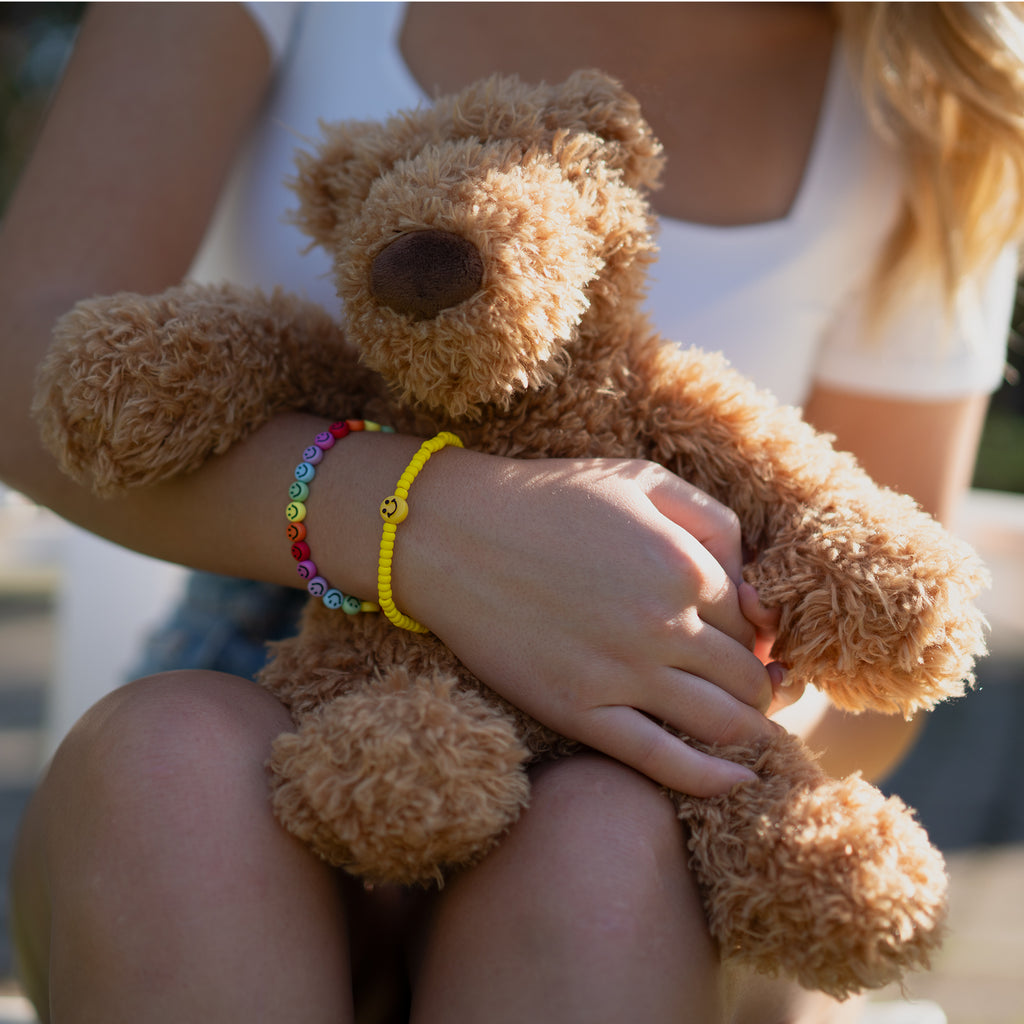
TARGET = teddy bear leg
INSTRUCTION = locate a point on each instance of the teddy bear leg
(822, 880)
(400, 779)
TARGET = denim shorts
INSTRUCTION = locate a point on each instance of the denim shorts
(222, 624)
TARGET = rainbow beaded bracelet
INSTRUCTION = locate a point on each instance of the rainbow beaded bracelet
(393, 510)
(295, 513)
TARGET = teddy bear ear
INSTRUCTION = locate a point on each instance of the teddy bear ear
(595, 102)
(334, 178)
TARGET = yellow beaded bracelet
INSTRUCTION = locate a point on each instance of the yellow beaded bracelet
(393, 510)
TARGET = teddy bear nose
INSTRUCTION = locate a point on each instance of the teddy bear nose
(424, 272)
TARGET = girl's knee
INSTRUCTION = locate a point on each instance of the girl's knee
(591, 798)
(189, 714)
(604, 842)
(152, 744)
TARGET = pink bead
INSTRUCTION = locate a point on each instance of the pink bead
(324, 440)
(313, 454)
(306, 569)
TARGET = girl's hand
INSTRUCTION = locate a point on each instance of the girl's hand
(603, 597)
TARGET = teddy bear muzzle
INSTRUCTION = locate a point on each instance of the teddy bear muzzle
(424, 272)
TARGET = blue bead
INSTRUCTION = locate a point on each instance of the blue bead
(334, 598)
(305, 471)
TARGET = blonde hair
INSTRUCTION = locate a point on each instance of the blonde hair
(945, 83)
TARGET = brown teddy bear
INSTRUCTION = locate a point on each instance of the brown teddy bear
(490, 252)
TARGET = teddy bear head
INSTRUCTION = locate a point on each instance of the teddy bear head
(472, 239)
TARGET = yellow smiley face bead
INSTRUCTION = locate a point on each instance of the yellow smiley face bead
(394, 509)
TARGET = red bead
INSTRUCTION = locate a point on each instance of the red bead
(339, 429)
(296, 531)
(300, 551)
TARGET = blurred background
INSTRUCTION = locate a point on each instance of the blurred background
(73, 609)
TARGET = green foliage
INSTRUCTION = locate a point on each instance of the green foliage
(1000, 464)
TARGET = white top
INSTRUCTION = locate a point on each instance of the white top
(782, 300)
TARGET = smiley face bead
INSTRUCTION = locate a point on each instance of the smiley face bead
(394, 509)
(295, 513)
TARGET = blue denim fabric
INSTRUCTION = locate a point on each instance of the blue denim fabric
(222, 624)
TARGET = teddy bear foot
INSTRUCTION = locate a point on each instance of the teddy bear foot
(825, 881)
(401, 779)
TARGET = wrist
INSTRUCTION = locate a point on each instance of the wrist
(344, 514)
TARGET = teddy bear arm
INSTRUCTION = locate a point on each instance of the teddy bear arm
(139, 389)
(877, 603)
(876, 598)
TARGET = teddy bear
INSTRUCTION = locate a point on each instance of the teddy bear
(490, 252)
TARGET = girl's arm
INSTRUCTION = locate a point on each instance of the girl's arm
(117, 195)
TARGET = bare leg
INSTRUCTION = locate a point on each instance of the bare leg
(754, 999)
(586, 912)
(151, 882)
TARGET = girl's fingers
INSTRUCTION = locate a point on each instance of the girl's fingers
(705, 710)
(764, 620)
(761, 618)
(714, 526)
(785, 690)
(633, 738)
(717, 658)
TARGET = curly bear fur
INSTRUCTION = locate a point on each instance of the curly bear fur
(505, 307)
